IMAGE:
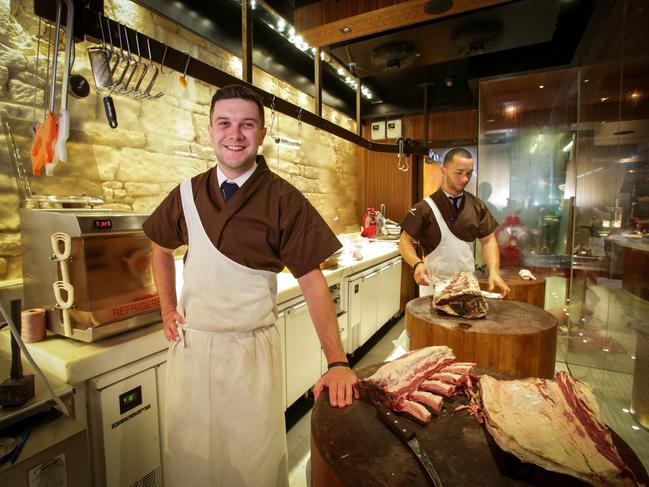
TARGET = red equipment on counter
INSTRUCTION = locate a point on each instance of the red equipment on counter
(368, 223)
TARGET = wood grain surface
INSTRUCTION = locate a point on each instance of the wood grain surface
(514, 338)
(530, 292)
(352, 447)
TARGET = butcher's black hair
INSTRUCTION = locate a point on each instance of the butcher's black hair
(458, 151)
(238, 91)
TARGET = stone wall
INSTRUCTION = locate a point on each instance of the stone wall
(158, 142)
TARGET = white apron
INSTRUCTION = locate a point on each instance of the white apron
(224, 410)
(451, 255)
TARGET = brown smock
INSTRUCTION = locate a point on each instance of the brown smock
(266, 225)
(472, 221)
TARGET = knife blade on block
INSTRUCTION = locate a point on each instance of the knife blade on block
(400, 427)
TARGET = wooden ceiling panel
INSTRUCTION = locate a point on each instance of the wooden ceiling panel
(320, 23)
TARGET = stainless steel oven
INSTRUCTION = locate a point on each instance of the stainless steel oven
(90, 269)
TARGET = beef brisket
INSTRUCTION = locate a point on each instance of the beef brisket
(555, 424)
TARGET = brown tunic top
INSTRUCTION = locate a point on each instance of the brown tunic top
(472, 221)
(267, 224)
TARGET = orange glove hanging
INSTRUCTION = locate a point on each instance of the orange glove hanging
(43, 146)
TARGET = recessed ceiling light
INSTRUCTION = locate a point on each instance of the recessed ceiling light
(436, 7)
(603, 99)
(635, 94)
(586, 80)
(346, 30)
(541, 86)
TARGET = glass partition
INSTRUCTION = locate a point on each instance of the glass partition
(564, 168)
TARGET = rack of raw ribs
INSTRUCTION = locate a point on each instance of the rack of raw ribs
(555, 424)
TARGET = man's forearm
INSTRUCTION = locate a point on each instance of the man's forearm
(407, 250)
(316, 292)
(491, 254)
(164, 275)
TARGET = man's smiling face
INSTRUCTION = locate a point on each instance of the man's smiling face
(236, 134)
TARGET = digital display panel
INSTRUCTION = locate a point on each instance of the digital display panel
(102, 224)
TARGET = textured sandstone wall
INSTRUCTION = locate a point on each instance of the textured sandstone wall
(158, 143)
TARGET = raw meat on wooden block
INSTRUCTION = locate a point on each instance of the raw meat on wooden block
(438, 387)
(392, 383)
(428, 399)
(450, 378)
(555, 424)
(415, 410)
(459, 368)
(460, 296)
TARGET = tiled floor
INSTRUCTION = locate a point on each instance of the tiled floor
(612, 316)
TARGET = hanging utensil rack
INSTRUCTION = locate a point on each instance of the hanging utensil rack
(89, 26)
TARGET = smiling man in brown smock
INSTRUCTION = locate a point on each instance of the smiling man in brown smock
(243, 224)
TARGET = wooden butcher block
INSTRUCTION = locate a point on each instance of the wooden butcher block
(514, 338)
(352, 447)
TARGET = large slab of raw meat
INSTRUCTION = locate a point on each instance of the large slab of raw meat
(460, 296)
(403, 385)
(555, 424)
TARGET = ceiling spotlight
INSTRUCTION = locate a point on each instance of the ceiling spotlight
(635, 95)
(541, 86)
(346, 30)
(449, 82)
(436, 7)
(603, 99)
(586, 80)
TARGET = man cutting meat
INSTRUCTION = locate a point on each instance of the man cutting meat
(445, 223)
(243, 224)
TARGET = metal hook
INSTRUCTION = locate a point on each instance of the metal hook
(145, 67)
(101, 27)
(401, 142)
(127, 60)
(147, 91)
(112, 50)
(299, 123)
(162, 63)
(272, 117)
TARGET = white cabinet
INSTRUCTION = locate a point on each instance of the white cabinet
(124, 425)
(369, 295)
(373, 297)
(302, 352)
(389, 292)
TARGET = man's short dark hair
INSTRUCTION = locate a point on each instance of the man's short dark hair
(457, 151)
(238, 91)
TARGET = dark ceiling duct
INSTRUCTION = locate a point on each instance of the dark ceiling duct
(394, 55)
(477, 38)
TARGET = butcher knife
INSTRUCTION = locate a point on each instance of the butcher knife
(406, 435)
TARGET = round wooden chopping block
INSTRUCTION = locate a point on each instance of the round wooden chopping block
(515, 338)
(352, 447)
(531, 292)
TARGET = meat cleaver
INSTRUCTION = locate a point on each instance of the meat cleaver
(407, 436)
